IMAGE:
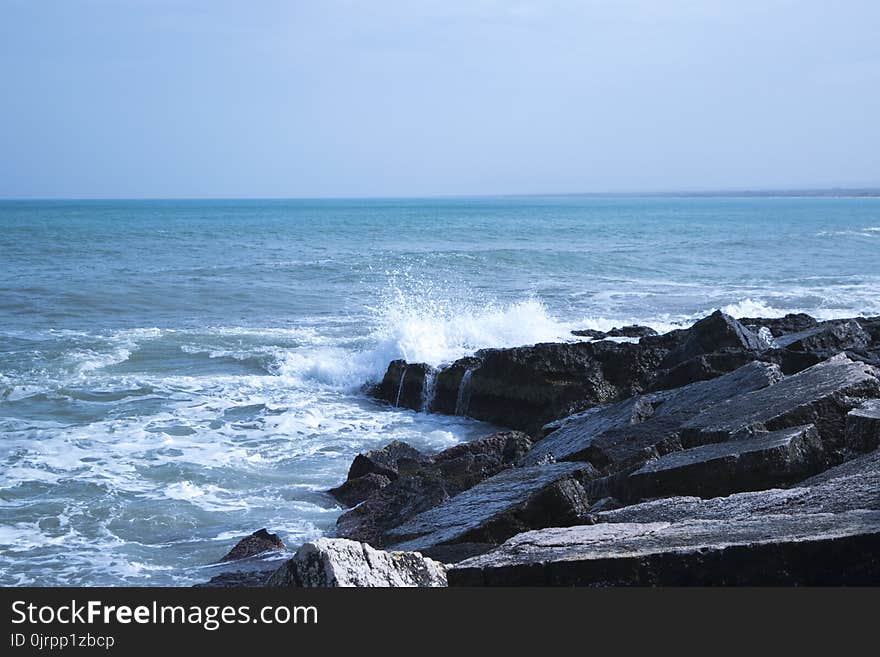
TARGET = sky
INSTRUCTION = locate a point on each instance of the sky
(334, 98)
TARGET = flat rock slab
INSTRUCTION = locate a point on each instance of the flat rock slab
(822, 395)
(863, 427)
(765, 461)
(615, 434)
(852, 485)
(338, 562)
(803, 549)
(494, 510)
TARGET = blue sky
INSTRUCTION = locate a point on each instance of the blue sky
(157, 98)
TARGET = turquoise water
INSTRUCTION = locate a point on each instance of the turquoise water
(174, 374)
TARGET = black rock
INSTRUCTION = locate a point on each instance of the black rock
(863, 427)
(492, 511)
(765, 461)
(589, 333)
(407, 385)
(384, 461)
(791, 323)
(354, 491)
(630, 432)
(821, 395)
(711, 334)
(631, 331)
(849, 486)
(827, 338)
(257, 543)
(797, 549)
(428, 482)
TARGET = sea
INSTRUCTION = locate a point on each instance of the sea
(177, 374)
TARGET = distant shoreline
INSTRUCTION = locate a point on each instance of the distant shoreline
(866, 192)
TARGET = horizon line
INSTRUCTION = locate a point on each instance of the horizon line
(787, 192)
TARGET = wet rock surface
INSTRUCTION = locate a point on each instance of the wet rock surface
(492, 511)
(257, 543)
(752, 443)
(764, 461)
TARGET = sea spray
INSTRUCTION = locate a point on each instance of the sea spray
(463, 399)
(429, 389)
(400, 387)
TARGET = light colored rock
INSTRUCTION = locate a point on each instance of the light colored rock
(339, 562)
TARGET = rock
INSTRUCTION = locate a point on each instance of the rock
(632, 431)
(240, 579)
(593, 334)
(701, 368)
(863, 427)
(526, 387)
(384, 461)
(826, 338)
(791, 323)
(406, 385)
(798, 549)
(711, 334)
(338, 562)
(429, 482)
(849, 486)
(631, 331)
(354, 491)
(492, 511)
(820, 395)
(449, 394)
(257, 543)
(764, 461)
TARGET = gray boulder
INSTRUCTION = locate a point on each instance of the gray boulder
(492, 511)
(337, 562)
(619, 435)
(781, 550)
(765, 461)
(863, 427)
(820, 395)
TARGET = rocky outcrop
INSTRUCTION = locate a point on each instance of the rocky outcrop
(257, 543)
(863, 427)
(798, 549)
(631, 331)
(329, 562)
(850, 486)
(820, 395)
(426, 482)
(406, 385)
(791, 323)
(627, 433)
(765, 461)
(499, 507)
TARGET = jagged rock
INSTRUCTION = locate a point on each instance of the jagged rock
(791, 323)
(338, 562)
(701, 368)
(798, 549)
(849, 486)
(406, 385)
(384, 461)
(820, 395)
(711, 334)
(492, 511)
(631, 331)
(764, 461)
(593, 334)
(354, 491)
(632, 431)
(863, 427)
(448, 386)
(428, 482)
(826, 338)
(240, 579)
(257, 543)
(526, 387)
